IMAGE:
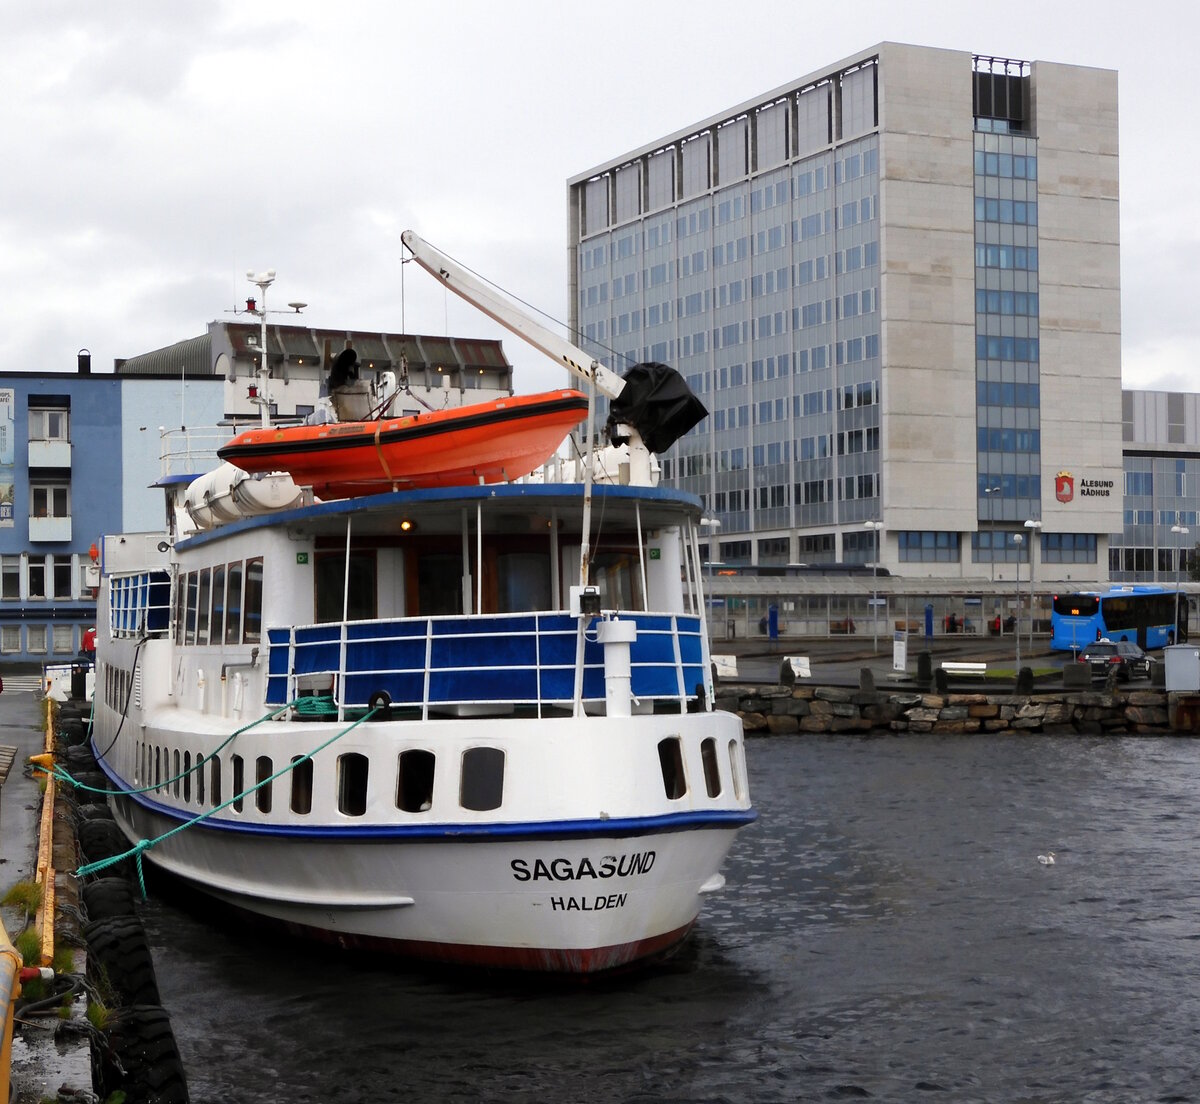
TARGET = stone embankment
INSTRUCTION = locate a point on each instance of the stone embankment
(784, 710)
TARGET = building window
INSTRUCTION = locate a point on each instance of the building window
(37, 578)
(1069, 548)
(10, 639)
(36, 639)
(49, 500)
(49, 425)
(10, 578)
(64, 639)
(60, 568)
(926, 546)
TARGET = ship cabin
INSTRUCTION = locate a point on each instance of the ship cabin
(455, 602)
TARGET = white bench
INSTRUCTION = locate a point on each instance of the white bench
(799, 665)
(726, 666)
(954, 668)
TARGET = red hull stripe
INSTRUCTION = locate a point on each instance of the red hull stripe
(542, 960)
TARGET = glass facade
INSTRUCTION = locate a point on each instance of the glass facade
(759, 282)
(747, 253)
(1161, 515)
(1007, 386)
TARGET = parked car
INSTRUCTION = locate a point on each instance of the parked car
(1127, 658)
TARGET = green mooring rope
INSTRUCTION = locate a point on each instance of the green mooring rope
(64, 776)
(145, 845)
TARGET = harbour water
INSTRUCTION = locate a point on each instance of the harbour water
(888, 933)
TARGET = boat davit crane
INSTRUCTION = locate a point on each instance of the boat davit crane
(651, 406)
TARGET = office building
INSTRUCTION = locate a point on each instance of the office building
(895, 283)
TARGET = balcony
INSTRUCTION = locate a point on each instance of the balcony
(56, 529)
(50, 454)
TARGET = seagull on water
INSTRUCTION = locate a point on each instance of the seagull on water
(1047, 859)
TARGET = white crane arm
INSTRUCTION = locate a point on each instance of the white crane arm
(482, 296)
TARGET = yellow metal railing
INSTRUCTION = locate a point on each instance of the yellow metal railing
(10, 990)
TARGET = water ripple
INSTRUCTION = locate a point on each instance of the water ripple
(887, 934)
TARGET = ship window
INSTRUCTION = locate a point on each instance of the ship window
(190, 615)
(712, 773)
(439, 584)
(202, 605)
(187, 776)
(239, 779)
(262, 774)
(218, 605)
(158, 768)
(330, 578)
(735, 768)
(524, 581)
(414, 781)
(199, 780)
(352, 783)
(233, 605)
(177, 771)
(180, 593)
(670, 759)
(214, 777)
(617, 575)
(252, 619)
(302, 780)
(482, 784)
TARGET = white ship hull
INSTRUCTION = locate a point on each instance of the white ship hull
(544, 790)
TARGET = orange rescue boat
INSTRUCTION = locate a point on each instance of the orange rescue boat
(489, 442)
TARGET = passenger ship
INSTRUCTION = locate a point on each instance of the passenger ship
(408, 720)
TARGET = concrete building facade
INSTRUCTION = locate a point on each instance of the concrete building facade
(895, 283)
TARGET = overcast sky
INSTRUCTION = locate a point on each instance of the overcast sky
(156, 151)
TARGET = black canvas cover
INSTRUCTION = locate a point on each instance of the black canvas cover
(658, 403)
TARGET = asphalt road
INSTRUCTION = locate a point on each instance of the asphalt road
(20, 727)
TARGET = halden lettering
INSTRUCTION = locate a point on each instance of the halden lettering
(584, 904)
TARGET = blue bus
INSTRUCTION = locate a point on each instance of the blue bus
(1147, 615)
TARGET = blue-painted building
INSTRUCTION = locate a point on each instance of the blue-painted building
(60, 487)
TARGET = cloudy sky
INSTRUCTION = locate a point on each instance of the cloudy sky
(156, 151)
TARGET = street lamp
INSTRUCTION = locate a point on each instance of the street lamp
(989, 491)
(1033, 527)
(1018, 539)
(1181, 529)
(876, 526)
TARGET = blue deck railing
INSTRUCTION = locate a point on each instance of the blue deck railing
(512, 659)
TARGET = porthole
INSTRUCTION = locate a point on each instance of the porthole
(352, 783)
(712, 772)
(302, 783)
(482, 784)
(735, 769)
(239, 783)
(670, 759)
(263, 769)
(414, 780)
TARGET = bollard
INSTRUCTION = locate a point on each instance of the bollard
(866, 679)
(1077, 676)
(924, 671)
(1025, 681)
(941, 681)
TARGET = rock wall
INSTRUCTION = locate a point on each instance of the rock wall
(783, 710)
